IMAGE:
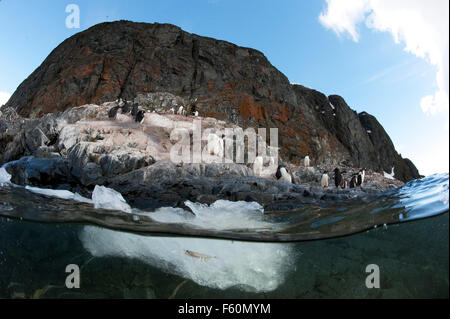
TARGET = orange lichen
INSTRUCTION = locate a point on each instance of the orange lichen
(249, 108)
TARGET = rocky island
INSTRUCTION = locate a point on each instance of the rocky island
(74, 123)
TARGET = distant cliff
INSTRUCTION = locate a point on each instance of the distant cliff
(122, 59)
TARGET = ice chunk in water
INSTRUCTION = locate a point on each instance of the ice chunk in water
(222, 214)
(4, 176)
(63, 194)
(108, 198)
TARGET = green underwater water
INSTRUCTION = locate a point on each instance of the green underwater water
(412, 257)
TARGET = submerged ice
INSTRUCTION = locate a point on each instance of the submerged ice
(251, 266)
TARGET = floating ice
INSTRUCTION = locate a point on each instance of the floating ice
(63, 194)
(222, 214)
(108, 198)
(5, 177)
(250, 266)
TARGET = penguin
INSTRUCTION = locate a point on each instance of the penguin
(282, 174)
(134, 110)
(172, 110)
(215, 145)
(360, 177)
(306, 161)
(353, 181)
(180, 110)
(324, 179)
(257, 166)
(196, 113)
(113, 112)
(126, 108)
(140, 115)
(278, 173)
(337, 177)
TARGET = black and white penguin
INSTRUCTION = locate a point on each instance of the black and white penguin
(324, 179)
(113, 112)
(306, 161)
(360, 177)
(353, 181)
(140, 115)
(126, 108)
(337, 177)
(134, 110)
(283, 174)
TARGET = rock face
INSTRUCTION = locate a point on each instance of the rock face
(218, 79)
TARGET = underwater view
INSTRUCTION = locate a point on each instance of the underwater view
(404, 232)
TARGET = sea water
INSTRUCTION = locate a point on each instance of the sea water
(40, 236)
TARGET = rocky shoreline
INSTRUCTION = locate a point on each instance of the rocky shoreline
(82, 147)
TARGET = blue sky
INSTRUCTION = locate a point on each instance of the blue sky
(374, 74)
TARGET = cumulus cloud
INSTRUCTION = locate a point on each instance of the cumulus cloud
(4, 97)
(422, 26)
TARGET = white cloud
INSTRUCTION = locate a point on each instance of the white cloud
(343, 16)
(423, 27)
(4, 97)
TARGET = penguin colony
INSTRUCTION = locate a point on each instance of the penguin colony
(216, 148)
(139, 115)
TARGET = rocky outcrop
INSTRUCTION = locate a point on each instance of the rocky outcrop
(385, 151)
(83, 147)
(221, 80)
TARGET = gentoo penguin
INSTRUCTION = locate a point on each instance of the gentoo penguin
(113, 112)
(180, 110)
(140, 115)
(306, 161)
(172, 110)
(282, 174)
(337, 177)
(196, 113)
(324, 179)
(258, 165)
